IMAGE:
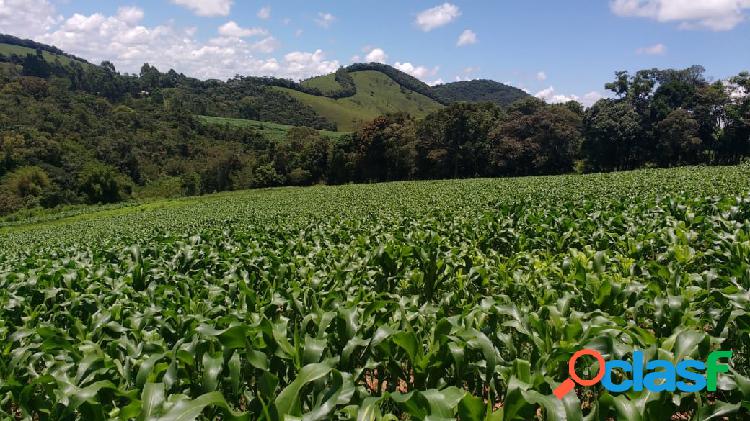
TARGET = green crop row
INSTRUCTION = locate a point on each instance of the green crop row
(424, 301)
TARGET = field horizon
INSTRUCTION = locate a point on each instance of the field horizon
(31, 220)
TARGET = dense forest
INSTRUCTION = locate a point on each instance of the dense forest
(75, 133)
(478, 91)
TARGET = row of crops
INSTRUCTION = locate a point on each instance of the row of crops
(420, 301)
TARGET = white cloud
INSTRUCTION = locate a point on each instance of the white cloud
(551, 96)
(124, 40)
(652, 50)
(265, 13)
(715, 15)
(633, 8)
(231, 29)
(467, 37)
(130, 14)
(590, 98)
(376, 55)
(437, 16)
(300, 64)
(541, 76)
(267, 45)
(466, 74)
(436, 82)
(419, 72)
(81, 23)
(27, 18)
(325, 20)
(207, 7)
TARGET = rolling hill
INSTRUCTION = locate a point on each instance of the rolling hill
(341, 101)
(376, 94)
(379, 89)
(10, 49)
(480, 90)
(10, 45)
(326, 84)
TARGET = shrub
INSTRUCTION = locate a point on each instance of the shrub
(266, 176)
(27, 181)
(299, 177)
(103, 184)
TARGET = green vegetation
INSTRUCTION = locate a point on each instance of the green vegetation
(338, 85)
(377, 94)
(404, 80)
(9, 50)
(326, 84)
(418, 300)
(10, 45)
(89, 134)
(271, 131)
(479, 91)
(240, 97)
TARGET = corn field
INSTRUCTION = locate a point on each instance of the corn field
(403, 301)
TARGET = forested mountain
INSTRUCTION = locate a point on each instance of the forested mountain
(479, 91)
(73, 132)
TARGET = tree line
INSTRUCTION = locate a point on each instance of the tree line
(657, 118)
(84, 134)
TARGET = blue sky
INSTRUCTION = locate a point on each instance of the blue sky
(554, 49)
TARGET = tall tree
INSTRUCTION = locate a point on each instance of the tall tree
(613, 136)
(678, 139)
(536, 138)
(736, 139)
(710, 112)
(452, 142)
(385, 149)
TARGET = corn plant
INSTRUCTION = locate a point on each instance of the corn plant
(423, 301)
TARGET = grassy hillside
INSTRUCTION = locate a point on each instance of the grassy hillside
(272, 131)
(326, 84)
(377, 94)
(9, 50)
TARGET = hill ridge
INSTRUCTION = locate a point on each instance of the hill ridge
(340, 100)
(476, 90)
(34, 45)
